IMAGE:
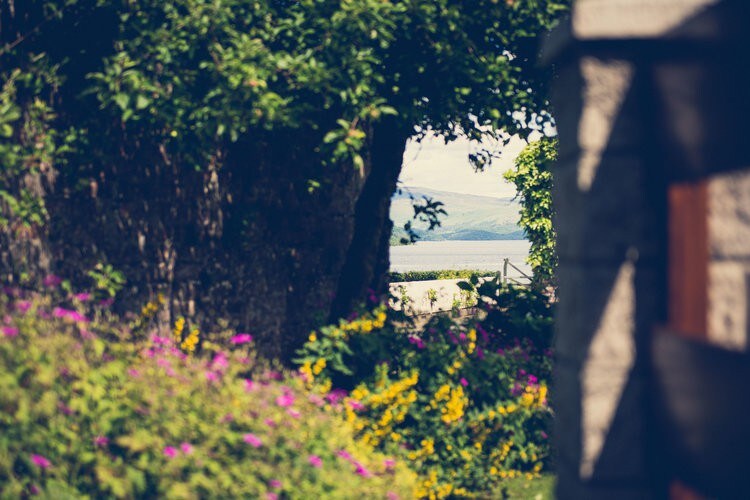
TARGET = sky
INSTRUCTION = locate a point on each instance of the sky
(433, 164)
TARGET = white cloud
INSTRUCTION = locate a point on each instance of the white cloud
(436, 165)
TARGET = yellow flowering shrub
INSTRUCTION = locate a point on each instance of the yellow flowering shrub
(465, 412)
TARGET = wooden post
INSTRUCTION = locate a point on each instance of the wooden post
(688, 275)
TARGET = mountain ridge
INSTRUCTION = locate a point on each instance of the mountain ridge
(470, 216)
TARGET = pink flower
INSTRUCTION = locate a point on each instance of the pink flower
(23, 306)
(9, 331)
(272, 496)
(315, 461)
(159, 340)
(52, 281)
(392, 496)
(82, 297)
(220, 362)
(335, 396)
(361, 470)
(343, 454)
(34, 489)
(211, 376)
(170, 451)
(133, 372)
(274, 483)
(101, 441)
(293, 413)
(464, 382)
(64, 409)
(241, 338)
(285, 400)
(187, 448)
(316, 400)
(107, 302)
(249, 385)
(270, 422)
(389, 463)
(59, 312)
(41, 462)
(252, 440)
(355, 405)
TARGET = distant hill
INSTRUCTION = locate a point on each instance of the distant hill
(470, 217)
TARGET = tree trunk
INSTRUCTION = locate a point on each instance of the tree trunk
(367, 260)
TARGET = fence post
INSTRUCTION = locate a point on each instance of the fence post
(505, 271)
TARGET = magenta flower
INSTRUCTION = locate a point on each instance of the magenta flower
(274, 483)
(355, 405)
(285, 400)
(249, 385)
(23, 306)
(389, 463)
(101, 441)
(82, 297)
(464, 382)
(316, 400)
(41, 461)
(133, 372)
(272, 496)
(10, 331)
(211, 376)
(315, 461)
(270, 422)
(187, 448)
(344, 454)
(52, 281)
(219, 362)
(252, 440)
(241, 338)
(391, 495)
(361, 470)
(335, 396)
(170, 451)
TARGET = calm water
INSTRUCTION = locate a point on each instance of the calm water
(434, 255)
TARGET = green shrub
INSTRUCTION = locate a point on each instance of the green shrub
(463, 405)
(86, 410)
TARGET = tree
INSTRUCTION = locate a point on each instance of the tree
(532, 176)
(238, 157)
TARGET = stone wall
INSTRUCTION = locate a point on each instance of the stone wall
(621, 69)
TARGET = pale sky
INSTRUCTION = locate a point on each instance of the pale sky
(433, 164)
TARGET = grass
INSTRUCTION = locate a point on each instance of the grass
(535, 489)
(445, 274)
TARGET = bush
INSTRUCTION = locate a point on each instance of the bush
(465, 405)
(86, 410)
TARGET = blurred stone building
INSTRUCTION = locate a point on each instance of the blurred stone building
(652, 196)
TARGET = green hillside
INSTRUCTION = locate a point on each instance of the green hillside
(470, 217)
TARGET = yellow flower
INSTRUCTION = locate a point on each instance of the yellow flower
(312, 337)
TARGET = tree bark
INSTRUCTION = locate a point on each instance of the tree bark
(367, 260)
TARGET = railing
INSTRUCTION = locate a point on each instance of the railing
(507, 279)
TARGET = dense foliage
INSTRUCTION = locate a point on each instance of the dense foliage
(173, 139)
(444, 274)
(532, 176)
(466, 404)
(87, 411)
